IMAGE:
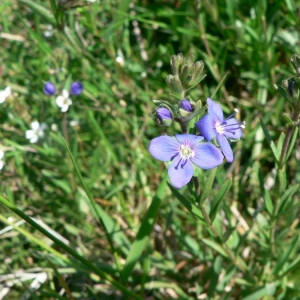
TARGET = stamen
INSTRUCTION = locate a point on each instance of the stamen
(174, 156)
(184, 163)
(232, 127)
(176, 167)
(233, 114)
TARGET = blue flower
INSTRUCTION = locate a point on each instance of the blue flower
(49, 88)
(184, 151)
(164, 116)
(214, 125)
(76, 88)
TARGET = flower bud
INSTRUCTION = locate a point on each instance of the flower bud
(185, 108)
(185, 105)
(188, 72)
(49, 88)
(164, 116)
(197, 75)
(176, 63)
(174, 85)
(290, 87)
(76, 88)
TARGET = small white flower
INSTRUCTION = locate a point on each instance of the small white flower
(49, 30)
(120, 61)
(74, 123)
(54, 127)
(4, 94)
(1, 161)
(36, 131)
(63, 101)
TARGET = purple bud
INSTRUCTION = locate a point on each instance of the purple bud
(164, 113)
(290, 87)
(164, 116)
(49, 88)
(186, 105)
(76, 88)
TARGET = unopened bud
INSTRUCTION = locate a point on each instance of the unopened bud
(185, 107)
(76, 88)
(176, 63)
(164, 116)
(174, 85)
(49, 88)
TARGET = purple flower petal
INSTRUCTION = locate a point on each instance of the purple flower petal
(225, 146)
(206, 126)
(180, 172)
(233, 131)
(189, 139)
(164, 148)
(215, 109)
(207, 156)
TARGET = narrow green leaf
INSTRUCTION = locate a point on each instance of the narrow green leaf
(215, 246)
(40, 10)
(208, 185)
(282, 180)
(218, 198)
(282, 92)
(143, 234)
(289, 193)
(285, 256)
(280, 142)
(214, 273)
(268, 202)
(228, 233)
(292, 142)
(188, 204)
(258, 294)
(288, 119)
(270, 141)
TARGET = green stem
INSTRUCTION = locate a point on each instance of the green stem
(65, 127)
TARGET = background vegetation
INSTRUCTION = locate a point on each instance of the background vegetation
(108, 243)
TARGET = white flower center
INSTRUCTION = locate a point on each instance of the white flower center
(219, 127)
(186, 152)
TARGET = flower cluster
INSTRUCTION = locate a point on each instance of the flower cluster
(185, 152)
(63, 101)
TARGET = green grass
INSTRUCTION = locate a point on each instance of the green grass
(118, 230)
